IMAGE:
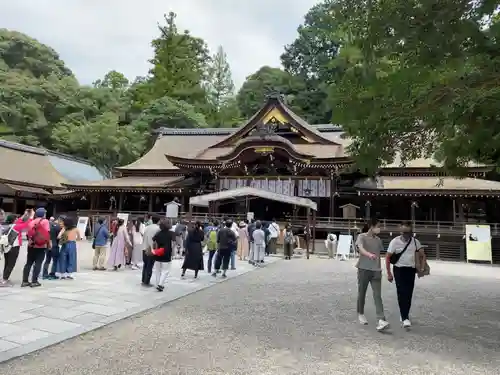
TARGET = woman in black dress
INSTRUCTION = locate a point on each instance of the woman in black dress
(194, 250)
(162, 254)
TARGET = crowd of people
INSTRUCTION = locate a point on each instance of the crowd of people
(152, 242)
(51, 247)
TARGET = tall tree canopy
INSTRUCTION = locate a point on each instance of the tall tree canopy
(267, 80)
(311, 57)
(180, 65)
(427, 83)
(223, 108)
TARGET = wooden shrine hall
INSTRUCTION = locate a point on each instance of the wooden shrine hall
(278, 151)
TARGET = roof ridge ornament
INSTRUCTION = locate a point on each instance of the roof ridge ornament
(264, 130)
(275, 94)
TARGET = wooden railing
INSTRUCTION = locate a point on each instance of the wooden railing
(322, 223)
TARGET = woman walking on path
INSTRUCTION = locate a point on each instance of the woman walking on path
(121, 243)
(67, 263)
(162, 254)
(243, 242)
(137, 239)
(370, 272)
(194, 250)
(407, 256)
(10, 257)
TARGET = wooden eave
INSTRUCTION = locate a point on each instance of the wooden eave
(29, 184)
(110, 189)
(402, 171)
(273, 102)
(431, 193)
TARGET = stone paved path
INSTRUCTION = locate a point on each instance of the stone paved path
(31, 319)
(295, 318)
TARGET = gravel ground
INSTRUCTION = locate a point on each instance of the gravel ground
(295, 317)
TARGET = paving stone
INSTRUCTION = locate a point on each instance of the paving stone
(86, 318)
(58, 302)
(100, 309)
(7, 345)
(7, 329)
(13, 317)
(18, 306)
(49, 325)
(26, 337)
(19, 298)
(56, 312)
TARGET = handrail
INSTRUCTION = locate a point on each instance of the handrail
(326, 223)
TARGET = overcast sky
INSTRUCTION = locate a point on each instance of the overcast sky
(95, 36)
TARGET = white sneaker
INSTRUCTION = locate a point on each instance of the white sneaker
(382, 325)
(406, 323)
(134, 267)
(362, 319)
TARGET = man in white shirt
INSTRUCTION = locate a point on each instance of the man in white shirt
(274, 231)
(235, 229)
(147, 245)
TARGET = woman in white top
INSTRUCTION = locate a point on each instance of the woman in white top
(137, 239)
(408, 256)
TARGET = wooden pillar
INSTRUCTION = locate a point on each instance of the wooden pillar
(120, 201)
(368, 206)
(333, 193)
(308, 230)
(314, 232)
(92, 201)
(183, 204)
(150, 202)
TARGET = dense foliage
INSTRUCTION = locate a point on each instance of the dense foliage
(409, 78)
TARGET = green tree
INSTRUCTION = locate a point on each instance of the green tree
(223, 109)
(102, 140)
(311, 57)
(168, 112)
(20, 52)
(113, 80)
(428, 84)
(180, 65)
(266, 80)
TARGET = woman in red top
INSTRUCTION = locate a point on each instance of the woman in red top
(19, 225)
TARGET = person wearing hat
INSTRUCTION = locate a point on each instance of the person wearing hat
(38, 243)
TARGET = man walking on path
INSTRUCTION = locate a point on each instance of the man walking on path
(147, 257)
(226, 240)
(274, 231)
(101, 236)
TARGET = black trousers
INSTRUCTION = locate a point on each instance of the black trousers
(51, 255)
(405, 283)
(210, 260)
(10, 262)
(288, 250)
(34, 259)
(223, 257)
(147, 268)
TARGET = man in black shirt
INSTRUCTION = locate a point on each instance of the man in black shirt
(226, 240)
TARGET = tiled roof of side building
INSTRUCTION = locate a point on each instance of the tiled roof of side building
(40, 167)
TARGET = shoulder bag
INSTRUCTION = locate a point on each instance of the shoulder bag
(396, 256)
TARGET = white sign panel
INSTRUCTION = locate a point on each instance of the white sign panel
(172, 210)
(344, 245)
(83, 221)
(124, 217)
